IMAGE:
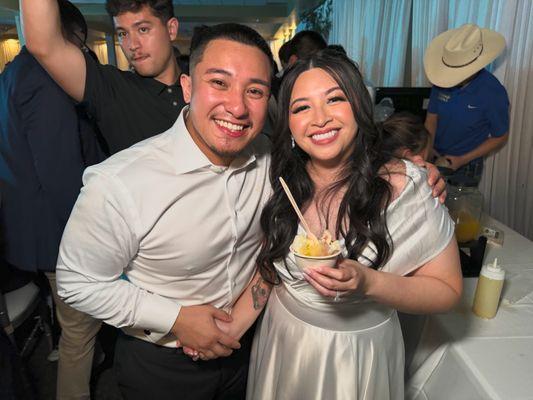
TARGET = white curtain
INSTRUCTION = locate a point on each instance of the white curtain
(507, 184)
(9, 48)
(375, 34)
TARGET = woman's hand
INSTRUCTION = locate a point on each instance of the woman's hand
(350, 277)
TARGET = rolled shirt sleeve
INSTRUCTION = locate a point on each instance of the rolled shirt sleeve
(100, 240)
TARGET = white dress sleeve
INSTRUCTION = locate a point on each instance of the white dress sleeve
(419, 225)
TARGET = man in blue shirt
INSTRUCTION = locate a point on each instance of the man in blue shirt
(468, 112)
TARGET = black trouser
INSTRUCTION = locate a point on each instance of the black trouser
(147, 371)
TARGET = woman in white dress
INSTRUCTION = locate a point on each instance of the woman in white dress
(333, 333)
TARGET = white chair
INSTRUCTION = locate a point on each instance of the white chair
(16, 307)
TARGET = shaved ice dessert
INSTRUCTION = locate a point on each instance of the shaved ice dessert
(311, 252)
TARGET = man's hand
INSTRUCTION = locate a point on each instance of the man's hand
(196, 328)
(435, 180)
(455, 162)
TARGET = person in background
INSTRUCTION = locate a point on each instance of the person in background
(284, 53)
(183, 62)
(45, 144)
(405, 136)
(304, 44)
(128, 107)
(337, 47)
(468, 112)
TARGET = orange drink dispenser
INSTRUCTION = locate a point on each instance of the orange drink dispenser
(465, 205)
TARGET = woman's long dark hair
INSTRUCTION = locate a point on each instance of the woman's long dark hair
(362, 212)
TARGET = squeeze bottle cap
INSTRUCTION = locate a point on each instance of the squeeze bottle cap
(493, 271)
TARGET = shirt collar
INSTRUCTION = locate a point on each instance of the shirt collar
(156, 87)
(190, 157)
(477, 81)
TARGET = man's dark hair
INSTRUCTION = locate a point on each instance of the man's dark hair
(284, 53)
(71, 21)
(202, 35)
(162, 9)
(306, 43)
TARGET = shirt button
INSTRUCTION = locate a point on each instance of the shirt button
(169, 90)
(174, 103)
(147, 332)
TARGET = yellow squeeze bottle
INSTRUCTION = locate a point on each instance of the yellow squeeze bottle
(488, 290)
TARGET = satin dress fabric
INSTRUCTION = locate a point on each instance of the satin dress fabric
(309, 347)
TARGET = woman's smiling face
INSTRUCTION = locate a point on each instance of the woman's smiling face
(321, 119)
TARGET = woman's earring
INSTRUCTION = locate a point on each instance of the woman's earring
(292, 142)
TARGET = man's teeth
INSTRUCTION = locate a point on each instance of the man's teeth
(326, 135)
(229, 125)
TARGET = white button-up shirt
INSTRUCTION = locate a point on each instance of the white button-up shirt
(183, 231)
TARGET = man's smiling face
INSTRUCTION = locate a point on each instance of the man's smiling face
(228, 92)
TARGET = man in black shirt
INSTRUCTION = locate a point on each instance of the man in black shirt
(128, 107)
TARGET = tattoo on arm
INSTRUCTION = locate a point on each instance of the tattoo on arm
(260, 292)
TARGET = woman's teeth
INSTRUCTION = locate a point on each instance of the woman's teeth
(326, 135)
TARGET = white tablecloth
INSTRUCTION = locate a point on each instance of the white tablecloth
(460, 356)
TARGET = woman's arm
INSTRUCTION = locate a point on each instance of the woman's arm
(248, 307)
(434, 287)
(244, 313)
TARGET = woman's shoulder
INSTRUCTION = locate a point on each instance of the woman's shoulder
(405, 178)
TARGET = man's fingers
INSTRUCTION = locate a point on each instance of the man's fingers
(221, 314)
(207, 354)
(229, 342)
(418, 160)
(221, 350)
(440, 189)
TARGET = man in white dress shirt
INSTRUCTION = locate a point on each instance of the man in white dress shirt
(178, 214)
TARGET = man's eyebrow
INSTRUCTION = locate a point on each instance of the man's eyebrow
(218, 71)
(260, 82)
(227, 73)
(136, 24)
(307, 98)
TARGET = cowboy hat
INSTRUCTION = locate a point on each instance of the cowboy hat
(457, 54)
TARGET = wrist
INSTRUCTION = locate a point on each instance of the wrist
(177, 323)
(465, 159)
(370, 282)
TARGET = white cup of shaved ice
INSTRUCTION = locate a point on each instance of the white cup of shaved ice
(309, 253)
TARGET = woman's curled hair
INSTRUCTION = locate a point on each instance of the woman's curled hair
(361, 218)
